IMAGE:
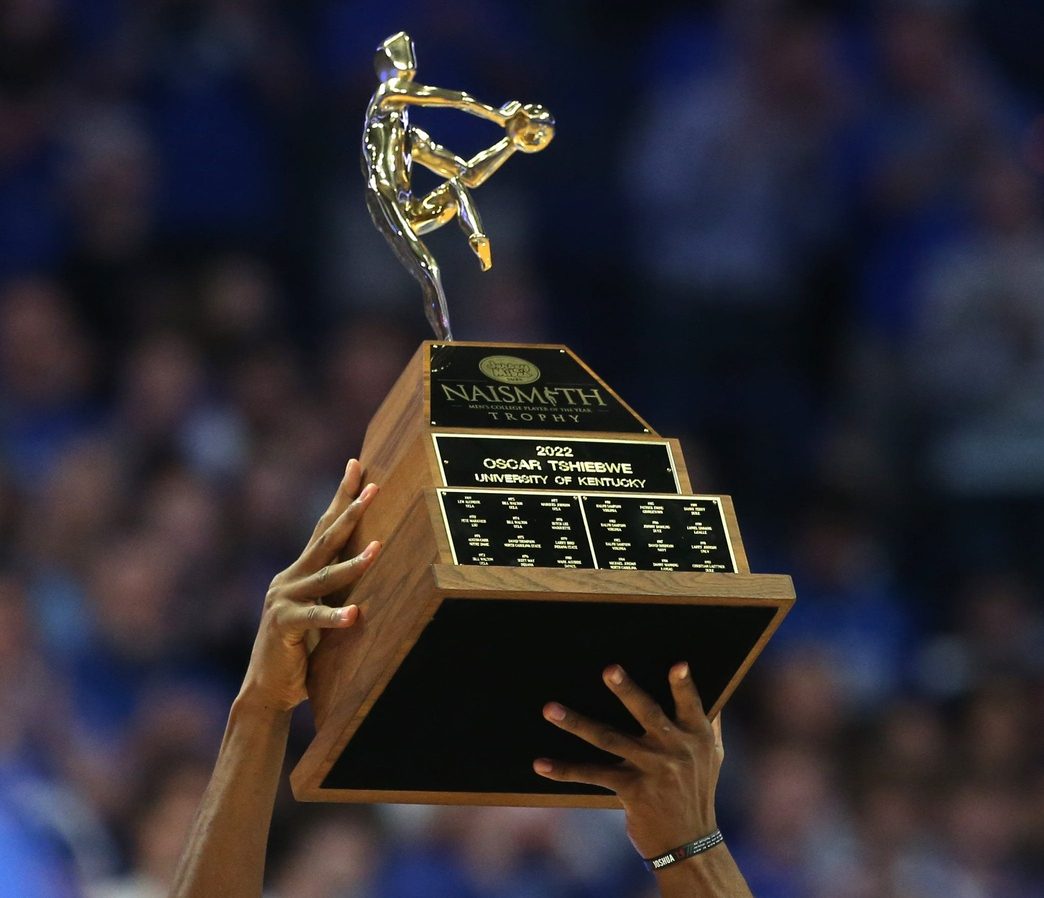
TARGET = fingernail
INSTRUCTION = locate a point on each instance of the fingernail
(348, 466)
(681, 671)
(543, 765)
(555, 711)
(348, 611)
(615, 675)
(368, 493)
(371, 550)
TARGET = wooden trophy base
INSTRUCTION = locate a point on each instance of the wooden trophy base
(491, 598)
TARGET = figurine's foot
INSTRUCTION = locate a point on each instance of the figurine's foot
(480, 247)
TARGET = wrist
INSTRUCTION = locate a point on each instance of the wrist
(257, 704)
(271, 687)
(655, 838)
(685, 851)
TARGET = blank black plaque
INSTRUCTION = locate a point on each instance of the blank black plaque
(463, 712)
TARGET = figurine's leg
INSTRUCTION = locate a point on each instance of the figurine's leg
(434, 210)
(439, 207)
(471, 224)
(420, 263)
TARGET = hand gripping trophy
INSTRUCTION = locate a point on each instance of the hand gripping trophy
(391, 145)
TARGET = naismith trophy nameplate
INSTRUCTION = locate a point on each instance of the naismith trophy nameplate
(550, 389)
(535, 530)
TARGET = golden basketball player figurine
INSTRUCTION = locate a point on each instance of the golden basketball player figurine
(391, 144)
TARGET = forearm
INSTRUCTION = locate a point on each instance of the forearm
(424, 95)
(482, 165)
(225, 854)
(713, 874)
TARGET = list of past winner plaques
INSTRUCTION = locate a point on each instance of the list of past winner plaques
(614, 532)
(516, 529)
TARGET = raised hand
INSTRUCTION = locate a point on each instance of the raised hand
(666, 778)
(293, 606)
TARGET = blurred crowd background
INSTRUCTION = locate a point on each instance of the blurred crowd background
(806, 237)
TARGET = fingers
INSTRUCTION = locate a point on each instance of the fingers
(347, 490)
(510, 108)
(322, 548)
(597, 734)
(300, 618)
(612, 778)
(643, 709)
(333, 577)
(688, 708)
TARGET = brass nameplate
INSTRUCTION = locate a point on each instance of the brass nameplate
(556, 463)
(521, 388)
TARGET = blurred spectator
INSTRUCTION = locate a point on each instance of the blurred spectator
(77, 508)
(734, 179)
(110, 193)
(935, 112)
(333, 854)
(982, 822)
(46, 398)
(735, 163)
(32, 222)
(851, 613)
(793, 823)
(217, 83)
(48, 832)
(159, 825)
(997, 632)
(978, 356)
(362, 361)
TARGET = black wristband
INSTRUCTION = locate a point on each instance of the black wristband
(690, 849)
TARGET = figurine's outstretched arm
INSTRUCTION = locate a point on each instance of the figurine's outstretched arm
(470, 172)
(401, 92)
(482, 165)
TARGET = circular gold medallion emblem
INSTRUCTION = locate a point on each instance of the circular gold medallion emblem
(509, 369)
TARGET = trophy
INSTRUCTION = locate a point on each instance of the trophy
(535, 529)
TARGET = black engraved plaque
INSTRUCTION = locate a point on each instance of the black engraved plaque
(521, 387)
(658, 533)
(556, 463)
(516, 529)
(625, 532)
